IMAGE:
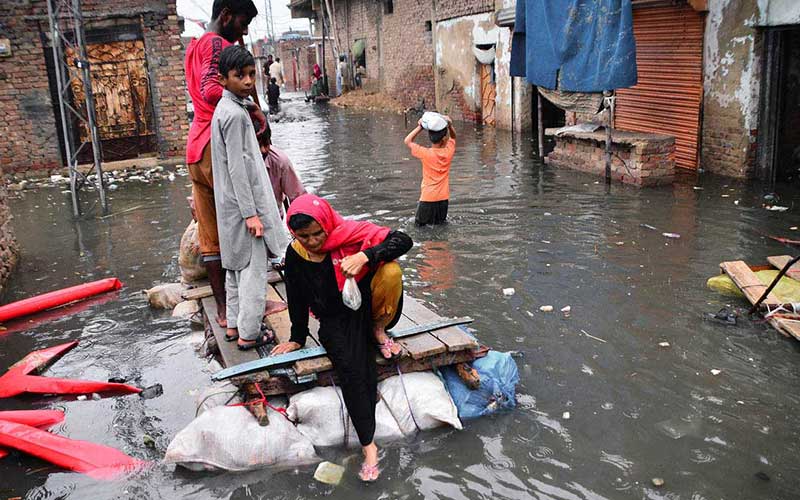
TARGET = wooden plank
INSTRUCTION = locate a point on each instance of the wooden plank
(231, 355)
(422, 345)
(454, 338)
(787, 327)
(313, 365)
(279, 322)
(779, 261)
(261, 364)
(397, 333)
(197, 293)
(282, 385)
(748, 282)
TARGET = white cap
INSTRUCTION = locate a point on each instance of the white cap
(433, 121)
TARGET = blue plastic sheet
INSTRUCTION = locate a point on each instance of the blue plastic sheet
(499, 378)
(574, 45)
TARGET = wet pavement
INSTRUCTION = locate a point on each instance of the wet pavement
(637, 411)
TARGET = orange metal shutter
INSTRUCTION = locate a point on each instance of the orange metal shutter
(668, 97)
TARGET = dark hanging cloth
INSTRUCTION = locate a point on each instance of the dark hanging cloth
(345, 334)
(574, 45)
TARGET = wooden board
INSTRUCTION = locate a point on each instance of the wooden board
(778, 261)
(282, 385)
(197, 293)
(453, 337)
(231, 355)
(748, 282)
(787, 327)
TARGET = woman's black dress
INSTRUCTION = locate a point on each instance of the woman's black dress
(345, 334)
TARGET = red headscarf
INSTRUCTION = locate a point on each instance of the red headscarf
(317, 71)
(345, 237)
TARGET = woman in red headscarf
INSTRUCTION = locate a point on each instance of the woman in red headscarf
(327, 250)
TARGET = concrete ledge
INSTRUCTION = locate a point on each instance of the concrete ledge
(637, 158)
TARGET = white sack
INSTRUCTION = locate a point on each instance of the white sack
(318, 413)
(165, 296)
(428, 399)
(229, 438)
(186, 309)
(217, 394)
(190, 260)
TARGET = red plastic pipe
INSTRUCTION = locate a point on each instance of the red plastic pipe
(18, 380)
(97, 461)
(57, 298)
(41, 419)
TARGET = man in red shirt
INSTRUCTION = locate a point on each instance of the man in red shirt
(229, 21)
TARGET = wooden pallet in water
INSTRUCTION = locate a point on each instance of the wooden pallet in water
(435, 345)
(745, 279)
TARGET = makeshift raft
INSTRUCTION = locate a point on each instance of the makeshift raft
(744, 277)
(428, 341)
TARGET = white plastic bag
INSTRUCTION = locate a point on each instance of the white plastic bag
(419, 401)
(319, 413)
(351, 295)
(229, 438)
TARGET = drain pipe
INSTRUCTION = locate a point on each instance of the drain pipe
(540, 137)
(609, 101)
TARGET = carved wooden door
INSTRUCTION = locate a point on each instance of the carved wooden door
(123, 107)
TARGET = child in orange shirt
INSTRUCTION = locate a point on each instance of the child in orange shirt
(435, 195)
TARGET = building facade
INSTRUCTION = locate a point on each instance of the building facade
(136, 61)
(450, 56)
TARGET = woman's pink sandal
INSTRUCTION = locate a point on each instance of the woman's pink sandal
(369, 473)
(387, 350)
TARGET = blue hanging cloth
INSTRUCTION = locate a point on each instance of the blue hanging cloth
(574, 45)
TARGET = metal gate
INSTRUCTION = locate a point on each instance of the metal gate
(669, 95)
(123, 103)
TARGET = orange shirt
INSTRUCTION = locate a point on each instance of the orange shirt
(435, 170)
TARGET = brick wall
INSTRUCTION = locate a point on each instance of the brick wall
(448, 9)
(8, 244)
(288, 50)
(30, 144)
(399, 45)
(637, 158)
(732, 77)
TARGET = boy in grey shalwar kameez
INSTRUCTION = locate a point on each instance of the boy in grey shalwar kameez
(247, 217)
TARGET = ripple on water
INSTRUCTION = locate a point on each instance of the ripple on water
(620, 483)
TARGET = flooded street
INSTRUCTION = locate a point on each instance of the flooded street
(637, 411)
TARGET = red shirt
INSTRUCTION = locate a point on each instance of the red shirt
(202, 80)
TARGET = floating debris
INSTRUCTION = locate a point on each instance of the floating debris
(715, 372)
(671, 235)
(658, 482)
(777, 208)
(151, 392)
(329, 473)
(546, 309)
(565, 415)
(508, 292)
(663, 344)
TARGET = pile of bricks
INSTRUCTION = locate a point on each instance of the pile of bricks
(641, 159)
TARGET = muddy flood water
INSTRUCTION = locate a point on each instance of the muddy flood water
(637, 411)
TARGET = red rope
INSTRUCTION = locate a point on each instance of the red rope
(263, 400)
